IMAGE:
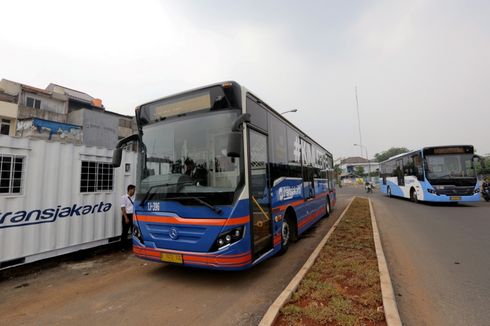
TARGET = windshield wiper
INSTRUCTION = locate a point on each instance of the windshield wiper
(199, 200)
(149, 195)
(443, 176)
(453, 176)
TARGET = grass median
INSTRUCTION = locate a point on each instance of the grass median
(342, 287)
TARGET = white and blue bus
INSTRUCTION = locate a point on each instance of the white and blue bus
(432, 174)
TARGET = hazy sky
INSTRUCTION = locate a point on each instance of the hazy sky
(422, 68)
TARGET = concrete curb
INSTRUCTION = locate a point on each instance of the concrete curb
(273, 311)
(389, 302)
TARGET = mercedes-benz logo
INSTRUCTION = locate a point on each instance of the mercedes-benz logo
(173, 233)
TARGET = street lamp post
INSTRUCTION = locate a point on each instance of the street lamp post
(367, 157)
(293, 110)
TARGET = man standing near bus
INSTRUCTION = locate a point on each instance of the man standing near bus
(127, 209)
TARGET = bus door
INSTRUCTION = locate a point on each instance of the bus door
(260, 205)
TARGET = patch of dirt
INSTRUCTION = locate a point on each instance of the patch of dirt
(342, 287)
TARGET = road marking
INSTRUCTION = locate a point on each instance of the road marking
(389, 303)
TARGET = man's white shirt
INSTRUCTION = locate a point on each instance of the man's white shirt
(127, 204)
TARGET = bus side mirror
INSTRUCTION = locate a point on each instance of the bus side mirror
(116, 157)
(482, 162)
(117, 154)
(234, 147)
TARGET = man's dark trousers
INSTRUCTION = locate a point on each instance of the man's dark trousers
(125, 242)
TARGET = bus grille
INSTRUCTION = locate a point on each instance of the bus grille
(186, 234)
(455, 191)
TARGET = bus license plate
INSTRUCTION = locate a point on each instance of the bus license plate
(455, 198)
(171, 258)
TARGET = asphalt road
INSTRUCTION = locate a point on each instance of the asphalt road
(439, 259)
(118, 288)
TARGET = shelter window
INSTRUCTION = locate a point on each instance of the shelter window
(96, 176)
(11, 174)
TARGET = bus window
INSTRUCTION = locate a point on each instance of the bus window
(277, 149)
(258, 115)
(294, 154)
(418, 169)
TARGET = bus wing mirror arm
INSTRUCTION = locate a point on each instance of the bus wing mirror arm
(117, 154)
(238, 124)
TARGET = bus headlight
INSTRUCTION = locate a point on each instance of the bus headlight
(477, 190)
(228, 237)
(431, 191)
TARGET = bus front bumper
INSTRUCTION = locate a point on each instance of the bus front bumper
(222, 261)
(451, 199)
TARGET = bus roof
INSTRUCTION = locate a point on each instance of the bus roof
(188, 91)
(422, 149)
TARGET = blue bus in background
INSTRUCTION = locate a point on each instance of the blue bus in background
(432, 174)
(224, 181)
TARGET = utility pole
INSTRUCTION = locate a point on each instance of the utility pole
(359, 121)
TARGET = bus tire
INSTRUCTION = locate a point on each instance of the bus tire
(388, 191)
(291, 216)
(328, 207)
(286, 232)
(413, 196)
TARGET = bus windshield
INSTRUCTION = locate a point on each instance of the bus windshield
(451, 166)
(187, 157)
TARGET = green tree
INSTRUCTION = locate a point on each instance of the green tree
(483, 167)
(359, 171)
(380, 157)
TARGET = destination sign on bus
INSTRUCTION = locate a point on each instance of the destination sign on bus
(197, 102)
(450, 150)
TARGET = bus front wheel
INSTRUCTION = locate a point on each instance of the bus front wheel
(388, 191)
(328, 208)
(285, 235)
(413, 196)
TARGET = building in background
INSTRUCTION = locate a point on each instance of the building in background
(8, 113)
(76, 99)
(350, 167)
(102, 128)
(60, 113)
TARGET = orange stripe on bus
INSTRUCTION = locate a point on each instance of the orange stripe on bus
(216, 260)
(192, 221)
(277, 239)
(229, 261)
(298, 202)
(311, 217)
(141, 251)
(158, 252)
(221, 265)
